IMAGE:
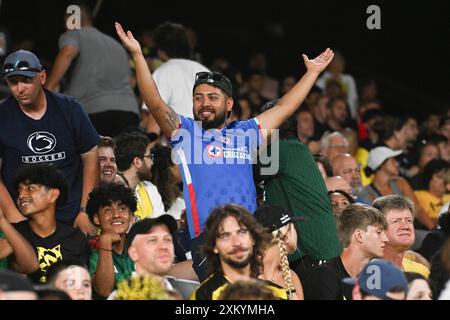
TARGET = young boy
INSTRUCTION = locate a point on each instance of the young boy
(110, 207)
(41, 187)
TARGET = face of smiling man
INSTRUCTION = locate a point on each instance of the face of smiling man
(108, 166)
(114, 217)
(211, 106)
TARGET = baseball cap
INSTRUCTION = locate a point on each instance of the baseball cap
(215, 79)
(145, 225)
(274, 217)
(379, 277)
(13, 281)
(22, 63)
(379, 155)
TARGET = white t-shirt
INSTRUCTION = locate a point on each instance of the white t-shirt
(349, 87)
(175, 80)
(155, 198)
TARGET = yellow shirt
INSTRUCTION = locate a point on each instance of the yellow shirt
(430, 203)
(412, 266)
(361, 157)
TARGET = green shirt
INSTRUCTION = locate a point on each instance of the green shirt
(299, 187)
(3, 262)
(123, 265)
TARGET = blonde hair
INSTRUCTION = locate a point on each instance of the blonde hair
(284, 264)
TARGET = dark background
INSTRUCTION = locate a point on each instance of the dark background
(409, 56)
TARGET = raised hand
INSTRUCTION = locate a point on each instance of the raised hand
(319, 63)
(128, 41)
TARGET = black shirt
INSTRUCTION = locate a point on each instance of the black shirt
(325, 282)
(65, 243)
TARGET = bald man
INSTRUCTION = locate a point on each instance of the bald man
(338, 183)
(345, 165)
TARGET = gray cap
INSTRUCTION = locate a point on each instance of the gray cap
(21, 63)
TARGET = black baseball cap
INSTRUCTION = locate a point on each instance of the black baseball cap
(145, 225)
(13, 281)
(274, 217)
(215, 79)
(22, 63)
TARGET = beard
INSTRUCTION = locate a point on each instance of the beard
(237, 264)
(217, 121)
(144, 174)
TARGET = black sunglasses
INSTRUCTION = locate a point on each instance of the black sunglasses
(209, 75)
(19, 65)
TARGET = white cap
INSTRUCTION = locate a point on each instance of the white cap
(379, 155)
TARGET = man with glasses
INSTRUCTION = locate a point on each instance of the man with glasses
(38, 126)
(227, 146)
(135, 160)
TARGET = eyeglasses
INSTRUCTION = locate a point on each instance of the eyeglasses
(19, 65)
(215, 76)
(151, 156)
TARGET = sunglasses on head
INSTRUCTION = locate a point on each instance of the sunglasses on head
(19, 66)
(209, 75)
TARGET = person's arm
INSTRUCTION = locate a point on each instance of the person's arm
(103, 279)
(90, 177)
(61, 65)
(7, 204)
(288, 104)
(166, 117)
(5, 249)
(421, 214)
(25, 259)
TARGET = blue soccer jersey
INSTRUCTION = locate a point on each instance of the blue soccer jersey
(216, 166)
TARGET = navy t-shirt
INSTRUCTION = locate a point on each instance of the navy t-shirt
(59, 138)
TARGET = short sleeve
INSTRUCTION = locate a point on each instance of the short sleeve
(68, 38)
(86, 137)
(185, 124)
(93, 261)
(253, 127)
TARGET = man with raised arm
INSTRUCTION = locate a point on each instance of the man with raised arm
(228, 146)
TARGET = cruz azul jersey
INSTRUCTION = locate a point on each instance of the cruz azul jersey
(216, 166)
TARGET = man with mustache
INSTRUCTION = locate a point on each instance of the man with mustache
(399, 213)
(110, 207)
(215, 157)
(361, 231)
(234, 247)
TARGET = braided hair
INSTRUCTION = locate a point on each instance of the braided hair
(284, 264)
